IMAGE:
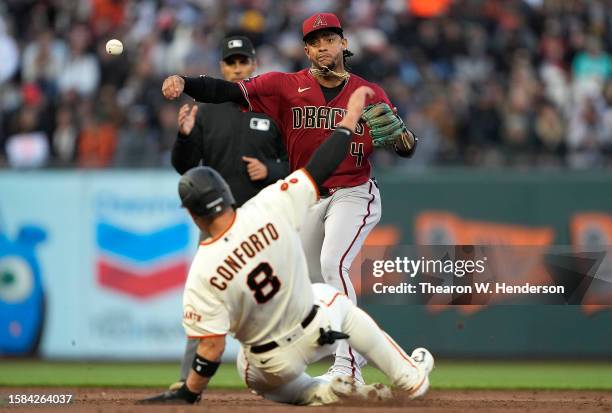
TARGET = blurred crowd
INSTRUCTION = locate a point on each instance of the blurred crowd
(491, 83)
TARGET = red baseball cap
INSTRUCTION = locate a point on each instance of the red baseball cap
(321, 21)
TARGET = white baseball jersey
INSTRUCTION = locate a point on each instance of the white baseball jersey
(252, 280)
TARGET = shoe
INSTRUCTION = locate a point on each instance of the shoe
(425, 361)
(347, 388)
(339, 369)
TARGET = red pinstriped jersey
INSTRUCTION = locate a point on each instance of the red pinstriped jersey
(296, 103)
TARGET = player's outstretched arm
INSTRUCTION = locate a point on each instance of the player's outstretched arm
(332, 152)
(203, 89)
(205, 364)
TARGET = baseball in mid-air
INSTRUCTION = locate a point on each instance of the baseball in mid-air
(114, 47)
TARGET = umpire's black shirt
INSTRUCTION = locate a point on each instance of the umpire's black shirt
(221, 136)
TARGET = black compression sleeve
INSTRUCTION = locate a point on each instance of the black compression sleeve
(329, 155)
(211, 90)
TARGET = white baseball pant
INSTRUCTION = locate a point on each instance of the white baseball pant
(332, 235)
(279, 374)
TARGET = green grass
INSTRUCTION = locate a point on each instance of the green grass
(447, 375)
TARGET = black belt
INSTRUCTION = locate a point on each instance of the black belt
(325, 192)
(273, 344)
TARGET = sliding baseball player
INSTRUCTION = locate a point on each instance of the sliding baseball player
(250, 279)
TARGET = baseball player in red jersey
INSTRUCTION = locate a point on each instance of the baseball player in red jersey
(306, 106)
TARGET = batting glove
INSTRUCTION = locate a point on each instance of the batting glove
(180, 396)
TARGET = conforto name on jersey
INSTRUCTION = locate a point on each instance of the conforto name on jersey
(248, 248)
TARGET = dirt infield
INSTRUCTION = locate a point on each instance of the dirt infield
(443, 401)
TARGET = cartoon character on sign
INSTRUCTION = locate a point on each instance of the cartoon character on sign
(22, 299)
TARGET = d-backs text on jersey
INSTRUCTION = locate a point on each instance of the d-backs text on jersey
(317, 117)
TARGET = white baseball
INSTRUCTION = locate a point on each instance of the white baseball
(114, 47)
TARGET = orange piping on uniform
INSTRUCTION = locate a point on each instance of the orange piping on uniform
(332, 300)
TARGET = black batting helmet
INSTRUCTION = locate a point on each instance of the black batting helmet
(204, 192)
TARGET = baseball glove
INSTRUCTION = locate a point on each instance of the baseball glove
(386, 127)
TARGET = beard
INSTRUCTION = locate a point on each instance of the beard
(328, 68)
(331, 66)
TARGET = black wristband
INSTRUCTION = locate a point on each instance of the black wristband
(204, 367)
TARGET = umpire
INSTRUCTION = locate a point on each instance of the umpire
(245, 147)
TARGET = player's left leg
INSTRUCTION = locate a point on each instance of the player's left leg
(312, 234)
(409, 373)
(279, 374)
(282, 377)
(350, 216)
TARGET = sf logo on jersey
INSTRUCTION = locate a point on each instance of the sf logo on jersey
(317, 117)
